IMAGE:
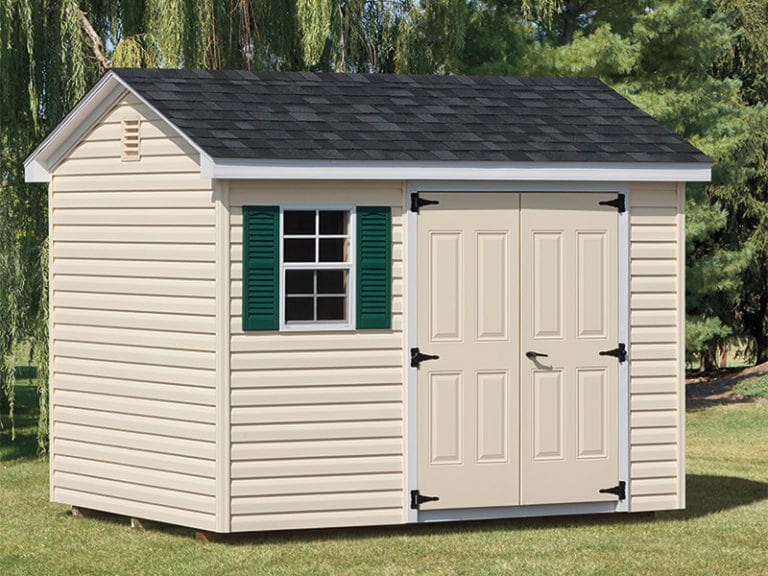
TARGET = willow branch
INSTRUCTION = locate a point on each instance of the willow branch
(96, 47)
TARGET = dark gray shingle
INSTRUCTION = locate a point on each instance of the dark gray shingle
(321, 116)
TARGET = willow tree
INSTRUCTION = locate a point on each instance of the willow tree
(51, 51)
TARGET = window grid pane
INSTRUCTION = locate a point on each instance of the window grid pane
(330, 271)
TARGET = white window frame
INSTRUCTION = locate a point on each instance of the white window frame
(350, 265)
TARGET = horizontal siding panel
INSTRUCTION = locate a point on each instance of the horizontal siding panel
(653, 318)
(136, 320)
(316, 502)
(654, 502)
(134, 475)
(654, 217)
(146, 442)
(338, 192)
(653, 301)
(126, 371)
(130, 234)
(654, 385)
(133, 423)
(398, 321)
(137, 354)
(136, 337)
(246, 523)
(656, 195)
(111, 148)
(653, 250)
(642, 436)
(660, 469)
(654, 486)
(323, 413)
(314, 377)
(135, 406)
(653, 268)
(653, 283)
(146, 511)
(318, 484)
(134, 389)
(654, 351)
(653, 368)
(189, 181)
(136, 268)
(134, 216)
(316, 395)
(144, 494)
(135, 251)
(653, 452)
(194, 467)
(135, 303)
(318, 449)
(156, 165)
(317, 466)
(653, 234)
(135, 286)
(326, 359)
(318, 431)
(653, 335)
(274, 342)
(644, 402)
(658, 419)
(110, 129)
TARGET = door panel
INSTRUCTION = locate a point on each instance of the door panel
(468, 427)
(569, 309)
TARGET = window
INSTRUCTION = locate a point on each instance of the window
(316, 267)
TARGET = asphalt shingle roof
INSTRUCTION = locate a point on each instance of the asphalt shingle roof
(325, 116)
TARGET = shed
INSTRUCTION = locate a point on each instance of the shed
(302, 300)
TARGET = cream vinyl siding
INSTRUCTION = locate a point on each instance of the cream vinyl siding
(316, 417)
(657, 337)
(133, 326)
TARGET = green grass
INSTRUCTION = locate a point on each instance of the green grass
(723, 531)
(756, 387)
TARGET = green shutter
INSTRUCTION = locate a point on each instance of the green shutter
(261, 268)
(374, 267)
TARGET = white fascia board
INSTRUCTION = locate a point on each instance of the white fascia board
(69, 131)
(521, 171)
(83, 117)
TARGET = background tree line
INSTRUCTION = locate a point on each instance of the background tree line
(698, 66)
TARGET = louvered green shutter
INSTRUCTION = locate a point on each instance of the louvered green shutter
(374, 267)
(261, 268)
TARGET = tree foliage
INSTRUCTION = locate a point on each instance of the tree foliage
(699, 66)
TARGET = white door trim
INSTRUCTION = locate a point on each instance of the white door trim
(411, 335)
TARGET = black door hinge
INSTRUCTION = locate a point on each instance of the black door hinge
(417, 357)
(619, 203)
(417, 202)
(620, 490)
(417, 499)
(620, 352)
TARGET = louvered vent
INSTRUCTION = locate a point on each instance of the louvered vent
(131, 140)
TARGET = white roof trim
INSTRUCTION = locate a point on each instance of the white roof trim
(83, 117)
(526, 171)
(110, 88)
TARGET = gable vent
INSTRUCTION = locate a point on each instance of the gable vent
(131, 140)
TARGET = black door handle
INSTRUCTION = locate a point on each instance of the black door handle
(533, 355)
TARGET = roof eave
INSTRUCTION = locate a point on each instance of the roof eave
(517, 171)
(84, 116)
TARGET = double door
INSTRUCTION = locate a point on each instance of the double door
(517, 296)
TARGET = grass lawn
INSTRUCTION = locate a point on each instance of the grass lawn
(723, 531)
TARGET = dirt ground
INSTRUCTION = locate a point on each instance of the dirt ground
(712, 388)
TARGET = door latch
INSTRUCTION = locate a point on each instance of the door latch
(620, 352)
(533, 355)
(418, 499)
(620, 490)
(417, 357)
